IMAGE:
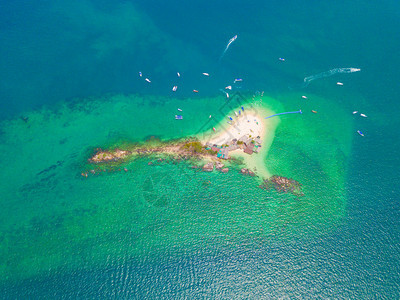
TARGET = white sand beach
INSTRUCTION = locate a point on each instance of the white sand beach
(246, 124)
(250, 123)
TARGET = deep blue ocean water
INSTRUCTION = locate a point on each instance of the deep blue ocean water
(54, 52)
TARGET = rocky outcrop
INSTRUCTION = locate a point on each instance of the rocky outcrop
(108, 156)
(208, 167)
(219, 165)
(245, 171)
(225, 170)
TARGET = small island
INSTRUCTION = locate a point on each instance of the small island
(245, 137)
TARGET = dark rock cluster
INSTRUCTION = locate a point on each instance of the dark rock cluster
(245, 171)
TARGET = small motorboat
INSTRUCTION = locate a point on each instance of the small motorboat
(148, 80)
(242, 108)
(314, 111)
(209, 117)
(281, 59)
(360, 133)
(140, 74)
(214, 129)
(195, 91)
(304, 97)
(174, 88)
(362, 115)
(354, 112)
(339, 83)
(229, 87)
(237, 80)
(178, 117)
(236, 114)
(206, 74)
(179, 109)
(240, 112)
(230, 118)
(177, 73)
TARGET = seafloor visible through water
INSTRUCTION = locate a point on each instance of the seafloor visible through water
(70, 83)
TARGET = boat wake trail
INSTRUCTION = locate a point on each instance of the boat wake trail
(227, 46)
(285, 113)
(329, 73)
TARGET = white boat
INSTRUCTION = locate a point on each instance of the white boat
(179, 109)
(229, 87)
(148, 80)
(236, 114)
(360, 133)
(354, 112)
(339, 83)
(304, 97)
(362, 115)
(209, 117)
(206, 74)
(174, 88)
(177, 73)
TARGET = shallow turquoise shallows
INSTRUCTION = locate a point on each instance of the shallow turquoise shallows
(73, 79)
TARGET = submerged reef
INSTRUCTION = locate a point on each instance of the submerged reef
(283, 185)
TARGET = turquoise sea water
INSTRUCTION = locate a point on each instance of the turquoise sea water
(69, 84)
